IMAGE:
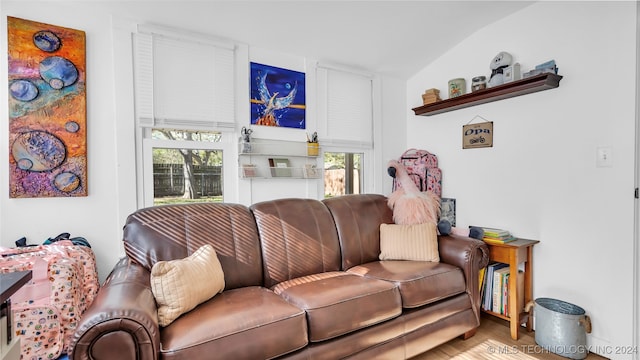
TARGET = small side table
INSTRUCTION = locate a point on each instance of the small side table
(514, 253)
(9, 284)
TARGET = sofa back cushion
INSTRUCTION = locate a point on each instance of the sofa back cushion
(358, 219)
(171, 232)
(298, 238)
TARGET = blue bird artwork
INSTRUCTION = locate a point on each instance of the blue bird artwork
(277, 97)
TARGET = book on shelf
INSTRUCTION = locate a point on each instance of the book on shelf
(279, 167)
(481, 276)
(496, 286)
(504, 304)
(499, 279)
(487, 294)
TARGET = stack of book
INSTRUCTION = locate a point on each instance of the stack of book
(495, 289)
(430, 96)
(497, 236)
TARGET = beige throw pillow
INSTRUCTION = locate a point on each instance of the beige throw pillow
(180, 285)
(409, 242)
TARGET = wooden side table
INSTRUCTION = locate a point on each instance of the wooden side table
(514, 253)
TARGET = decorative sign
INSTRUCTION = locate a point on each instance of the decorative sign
(477, 135)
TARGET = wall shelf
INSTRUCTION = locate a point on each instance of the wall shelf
(515, 88)
(254, 160)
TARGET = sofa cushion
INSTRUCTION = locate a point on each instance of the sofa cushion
(245, 323)
(420, 282)
(409, 242)
(180, 285)
(170, 232)
(298, 238)
(357, 219)
(337, 303)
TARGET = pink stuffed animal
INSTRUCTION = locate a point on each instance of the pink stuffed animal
(410, 205)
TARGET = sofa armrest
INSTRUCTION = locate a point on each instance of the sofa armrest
(470, 255)
(122, 322)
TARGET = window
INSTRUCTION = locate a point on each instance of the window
(187, 174)
(183, 80)
(185, 116)
(345, 119)
(342, 174)
(345, 108)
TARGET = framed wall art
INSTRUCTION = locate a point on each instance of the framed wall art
(448, 210)
(47, 110)
(277, 97)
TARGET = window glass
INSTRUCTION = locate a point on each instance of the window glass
(187, 174)
(342, 173)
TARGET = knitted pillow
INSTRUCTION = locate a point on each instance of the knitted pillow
(417, 242)
(180, 285)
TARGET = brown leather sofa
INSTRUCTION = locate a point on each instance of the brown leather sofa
(303, 281)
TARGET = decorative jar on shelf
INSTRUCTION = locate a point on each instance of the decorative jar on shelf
(312, 148)
(478, 83)
(457, 87)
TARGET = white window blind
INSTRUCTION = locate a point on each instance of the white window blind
(183, 83)
(345, 108)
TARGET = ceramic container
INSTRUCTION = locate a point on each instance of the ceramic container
(457, 87)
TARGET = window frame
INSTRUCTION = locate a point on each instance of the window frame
(366, 163)
(364, 145)
(146, 120)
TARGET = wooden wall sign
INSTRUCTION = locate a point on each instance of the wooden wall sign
(477, 135)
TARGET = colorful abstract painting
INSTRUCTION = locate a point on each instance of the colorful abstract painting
(47, 110)
(277, 97)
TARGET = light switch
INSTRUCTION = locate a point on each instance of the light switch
(604, 156)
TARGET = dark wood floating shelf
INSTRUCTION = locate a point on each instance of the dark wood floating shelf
(516, 88)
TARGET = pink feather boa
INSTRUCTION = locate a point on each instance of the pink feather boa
(410, 205)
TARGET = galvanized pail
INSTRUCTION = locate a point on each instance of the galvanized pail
(561, 328)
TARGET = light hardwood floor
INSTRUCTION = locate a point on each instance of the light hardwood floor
(492, 328)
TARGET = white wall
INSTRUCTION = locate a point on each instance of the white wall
(540, 179)
(391, 139)
(95, 216)
(256, 190)
(100, 216)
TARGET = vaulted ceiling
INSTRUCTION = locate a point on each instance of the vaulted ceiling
(397, 38)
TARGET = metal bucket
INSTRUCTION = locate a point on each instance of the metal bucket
(562, 328)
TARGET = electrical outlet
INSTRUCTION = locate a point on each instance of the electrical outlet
(604, 156)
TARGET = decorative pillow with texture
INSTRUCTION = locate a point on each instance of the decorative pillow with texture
(417, 242)
(180, 285)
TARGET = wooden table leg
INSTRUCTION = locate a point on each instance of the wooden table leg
(514, 312)
(528, 284)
